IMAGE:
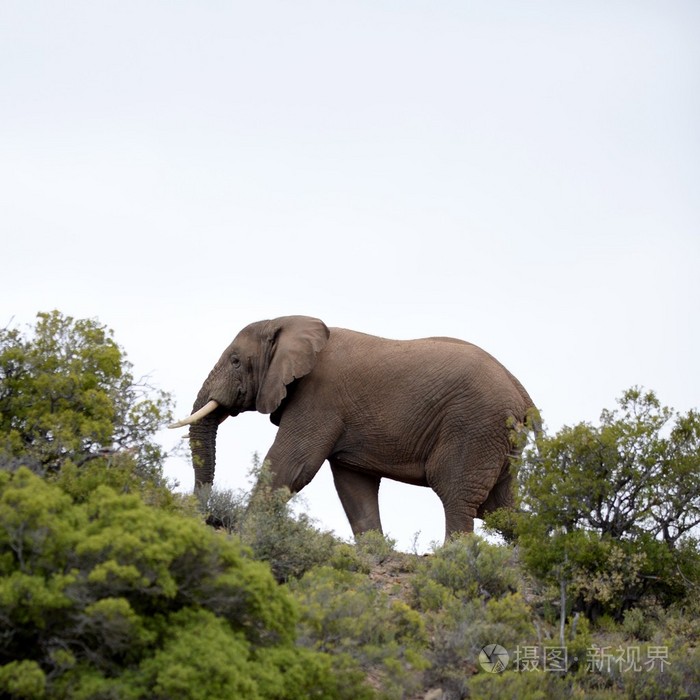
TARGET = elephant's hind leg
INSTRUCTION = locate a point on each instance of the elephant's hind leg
(501, 495)
(459, 516)
(463, 481)
(359, 494)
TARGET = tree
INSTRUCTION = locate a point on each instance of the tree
(67, 392)
(609, 510)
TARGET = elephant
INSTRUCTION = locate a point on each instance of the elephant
(435, 412)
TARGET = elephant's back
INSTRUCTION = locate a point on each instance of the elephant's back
(476, 352)
(422, 362)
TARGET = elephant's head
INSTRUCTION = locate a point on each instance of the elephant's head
(251, 375)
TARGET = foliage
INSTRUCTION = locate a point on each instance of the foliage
(344, 613)
(460, 629)
(679, 679)
(609, 510)
(469, 593)
(374, 548)
(534, 685)
(106, 596)
(23, 679)
(265, 522)
(270, 525)
(67, 393)
(465, 568)
(635, 473)
(637, 624)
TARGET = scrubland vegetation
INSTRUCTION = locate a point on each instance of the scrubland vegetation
(113, 585)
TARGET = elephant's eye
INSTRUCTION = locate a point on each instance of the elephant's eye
(235, 361)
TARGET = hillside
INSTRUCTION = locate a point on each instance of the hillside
(114, 585)
(420, 626)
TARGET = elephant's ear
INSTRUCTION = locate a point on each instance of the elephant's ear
(290, 345)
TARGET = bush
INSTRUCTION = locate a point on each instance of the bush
(466, 567)
(462, 628)
(265, 522)
(106, 596)
(374, 548)
(532, 685)
(22, 679)
(679, 679)
(344, 613)
(637, 624)
(469, 591)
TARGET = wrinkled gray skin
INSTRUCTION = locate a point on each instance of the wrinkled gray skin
(433, 412)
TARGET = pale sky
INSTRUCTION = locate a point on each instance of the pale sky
(523, 175)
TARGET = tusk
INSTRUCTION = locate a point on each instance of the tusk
(204, 411)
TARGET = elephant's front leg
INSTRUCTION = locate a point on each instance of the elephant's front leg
(359, 494)
(296, 456)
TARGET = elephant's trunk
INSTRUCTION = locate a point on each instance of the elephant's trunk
(204, 423)
(203, 446)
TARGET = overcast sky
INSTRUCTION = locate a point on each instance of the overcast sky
(523, 175)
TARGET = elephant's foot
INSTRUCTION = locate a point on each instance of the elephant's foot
(458, 520)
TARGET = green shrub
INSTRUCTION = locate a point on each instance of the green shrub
(106, 596)
(466, 567)
(684, 622)
(224, 509)
(680, 678)
(637, 624)
(514, 615)
(462, 628)
(660, 670)
(374, 548)
(22, 679)
(265, 522)
(344, 613)
(531, 685)
(346, 558)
